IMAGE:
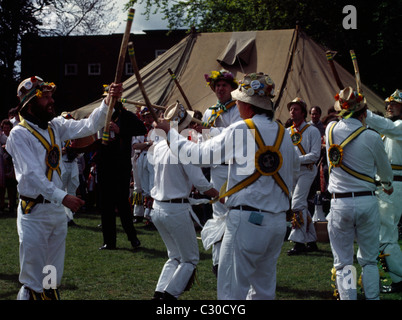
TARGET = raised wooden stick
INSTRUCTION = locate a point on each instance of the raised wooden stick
(180, 89)
(330, 59)
(357, 73)
(119, 72)
(140, 103)
(139, 80)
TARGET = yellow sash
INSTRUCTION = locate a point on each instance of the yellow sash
(52, 159)
(215, 114)
(260, 169)
(349, 170)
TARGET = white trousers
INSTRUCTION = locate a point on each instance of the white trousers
(248, 257)
(306, 233)
(42, 236)
(390, 215)
(175, 226)
(219, 175)
(353, 219)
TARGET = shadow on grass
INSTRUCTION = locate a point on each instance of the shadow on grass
(303, 294)
(13, 279)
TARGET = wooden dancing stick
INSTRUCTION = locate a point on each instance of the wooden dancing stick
(119, 72)
(357, 73)
(180, 89)
(330, 59)
(139, 80)
(140, 103)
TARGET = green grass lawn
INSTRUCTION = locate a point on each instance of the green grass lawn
(127, 274)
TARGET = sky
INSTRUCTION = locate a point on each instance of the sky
(139, 23)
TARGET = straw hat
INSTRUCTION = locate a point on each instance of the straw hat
(31, 87)
(301, 103)
(257, 89)
(176, 112)
(224, 75)
(395, 97)
(349, 101)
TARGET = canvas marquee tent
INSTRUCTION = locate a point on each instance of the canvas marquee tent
(297, 65)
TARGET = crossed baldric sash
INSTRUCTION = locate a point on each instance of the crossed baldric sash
(52, 159)
(335, 153)
(296, 137)
(268, 161)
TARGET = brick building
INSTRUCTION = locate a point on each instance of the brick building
(80, 65)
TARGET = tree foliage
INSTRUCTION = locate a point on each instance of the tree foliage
(377, 40)
(44, 17)
(17, 18)
(77, 17)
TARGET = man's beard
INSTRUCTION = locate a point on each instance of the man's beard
(43, 114)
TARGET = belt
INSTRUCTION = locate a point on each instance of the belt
(247, 208)
(179, 200)
(39, 199)
(352, 194)
(397, 178)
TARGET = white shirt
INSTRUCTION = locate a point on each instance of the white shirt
(393, 136)
(173, 180)
(311, 143)
(236, 145)
(365, 154)
(29, 155)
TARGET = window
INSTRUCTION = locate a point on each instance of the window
(94, 69)
(129, 69)
(70, 69)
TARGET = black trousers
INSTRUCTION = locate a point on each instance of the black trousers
(114, 200)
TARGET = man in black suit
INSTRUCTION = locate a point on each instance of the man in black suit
(114, 171)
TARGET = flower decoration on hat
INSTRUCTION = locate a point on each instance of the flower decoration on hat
(216, 76)
(348, 101)
(255, 85)
(31, 87)
(355, 98)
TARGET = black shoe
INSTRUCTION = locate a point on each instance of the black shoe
(157, 295)
(71, 223)
(107, 247)
(168, 296)
(135, 243)
(138, 219)
(149, 225)
(299, 248)
(51, 294)
(394, 287)
(312, 246)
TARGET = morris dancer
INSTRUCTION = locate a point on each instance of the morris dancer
(391, 206)
(35, 146)
(307, 143)
(355, 155)
(262, 166)
(172, 211)
(220, 116)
